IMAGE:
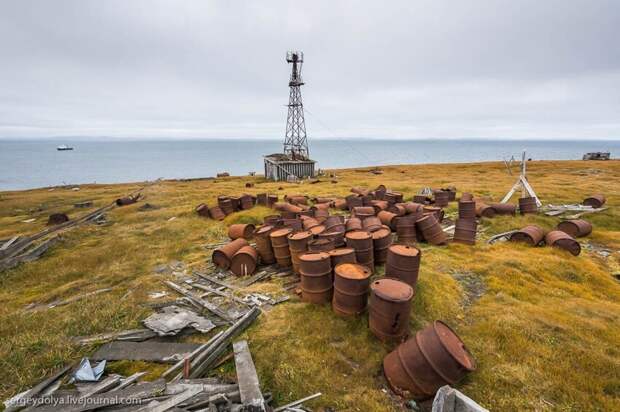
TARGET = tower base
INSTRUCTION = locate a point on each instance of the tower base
(281, 167)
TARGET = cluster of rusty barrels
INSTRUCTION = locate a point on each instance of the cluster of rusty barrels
(563, 236)
(229, 204)
(238, 256)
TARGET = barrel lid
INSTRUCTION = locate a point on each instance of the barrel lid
(358, 235)
(264, 229)
(317, 229)
(453, 344)
(300, 235)
(392, 289)
(381, 233)
(341, 251)
(352, 271)
(314, 257)
(281, 232)
(404, 250)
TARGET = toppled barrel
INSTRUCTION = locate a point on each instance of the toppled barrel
(57, 219)
(362, 212)
(316, 277)
(527, 205)
(371, 224)
(530, 234)
(222, 257)
(563, 240)
(504, 209)
(351, 283)
(465, 231)
(435, 357)
(263, 244)
(298, 245)
(403, 263)
(279, 242)
(381, 241)
(389, 309)
(243, 230)
(216, 213)
(202, 210)
(124, 201)
(244, 262)
(354, 201)
(596, 201)
(432, 231)
(388, 219)
(575, 227)
(362, 243)
(353, 223)
(484, 210)
(342, 255)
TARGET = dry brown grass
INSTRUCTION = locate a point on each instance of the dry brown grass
(545, 329)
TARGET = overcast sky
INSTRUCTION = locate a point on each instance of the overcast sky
(397, 69)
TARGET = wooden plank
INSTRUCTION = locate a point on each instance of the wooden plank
(40, 387)
(297, 403)
(177, 366)
(191, 391)
(217, 281)
(247, 379)
(207, 305)
(164, 352)
(219, 293)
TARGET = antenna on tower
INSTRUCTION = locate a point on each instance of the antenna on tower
(294, 163)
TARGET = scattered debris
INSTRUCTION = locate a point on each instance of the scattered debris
(557, 210)
(448, 399)
(173, 319)
(72, 299)
(158, 295)
(129, 200)
(249, 385)
(133, 335)
(83, 205)
(29, 220)
(501, 237)
(87, 373)
(150, 351)
(297, 403)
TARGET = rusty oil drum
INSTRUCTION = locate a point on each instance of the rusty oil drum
(563, 240)
(596, 201)
(263, 244)
(351, 282)
(389, 309)
(353, 223)
(530, 234)
(222, 256)
(337, 238)
(316, 277)
(342, 255)
(279, 243)
(527, 205)
(361, 241)
(226, 204)
(216, 213)
(354, 201)
(334, 224)
(238, 230)
(362, 212)
(371, 223)
(484, 210)
(467, 209)
(403, 263)
(465, 231)
(575, 227)
(381, 241)
(244, 262)
(246, 202)
(388, 219)
(405, 229)
(442, 199)
(434, 357)
(202, 210)
(504, 209)
(432, 231)
(309, 222)
(298, 245)
(321, 245)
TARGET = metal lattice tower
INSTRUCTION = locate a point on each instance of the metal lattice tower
(295, 141)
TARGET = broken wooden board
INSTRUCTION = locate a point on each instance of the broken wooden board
(247, 379)
(134, 335)
(164, 352)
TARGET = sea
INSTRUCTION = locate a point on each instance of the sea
(29, 163)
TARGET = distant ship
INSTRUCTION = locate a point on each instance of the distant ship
(64, 147)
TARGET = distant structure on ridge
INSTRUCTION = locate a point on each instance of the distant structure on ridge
(294, 162)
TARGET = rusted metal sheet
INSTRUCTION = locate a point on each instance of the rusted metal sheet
(504, 209)
(351, 284)
(298, 245)
(263, 244)
(531, 234)
(527, 205)
(244, 262)
(342, 255)
(321, 245)
(403, 263)
(202, 210)
(467, 209)
(575, 227)
(563, 240)
(435, 357)
(57, 219)
(243, 230)
(465, 231)
(316, 278)
(596, 201)
(432, 231)
(222, 256)
(442, 199)
(405, 229)
(279, 242)
(381, 241)
(361, 241)
(371, 224)
(484, 210)
(389, 309)
(353, 223)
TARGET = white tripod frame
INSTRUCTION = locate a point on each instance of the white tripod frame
(522, 185)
